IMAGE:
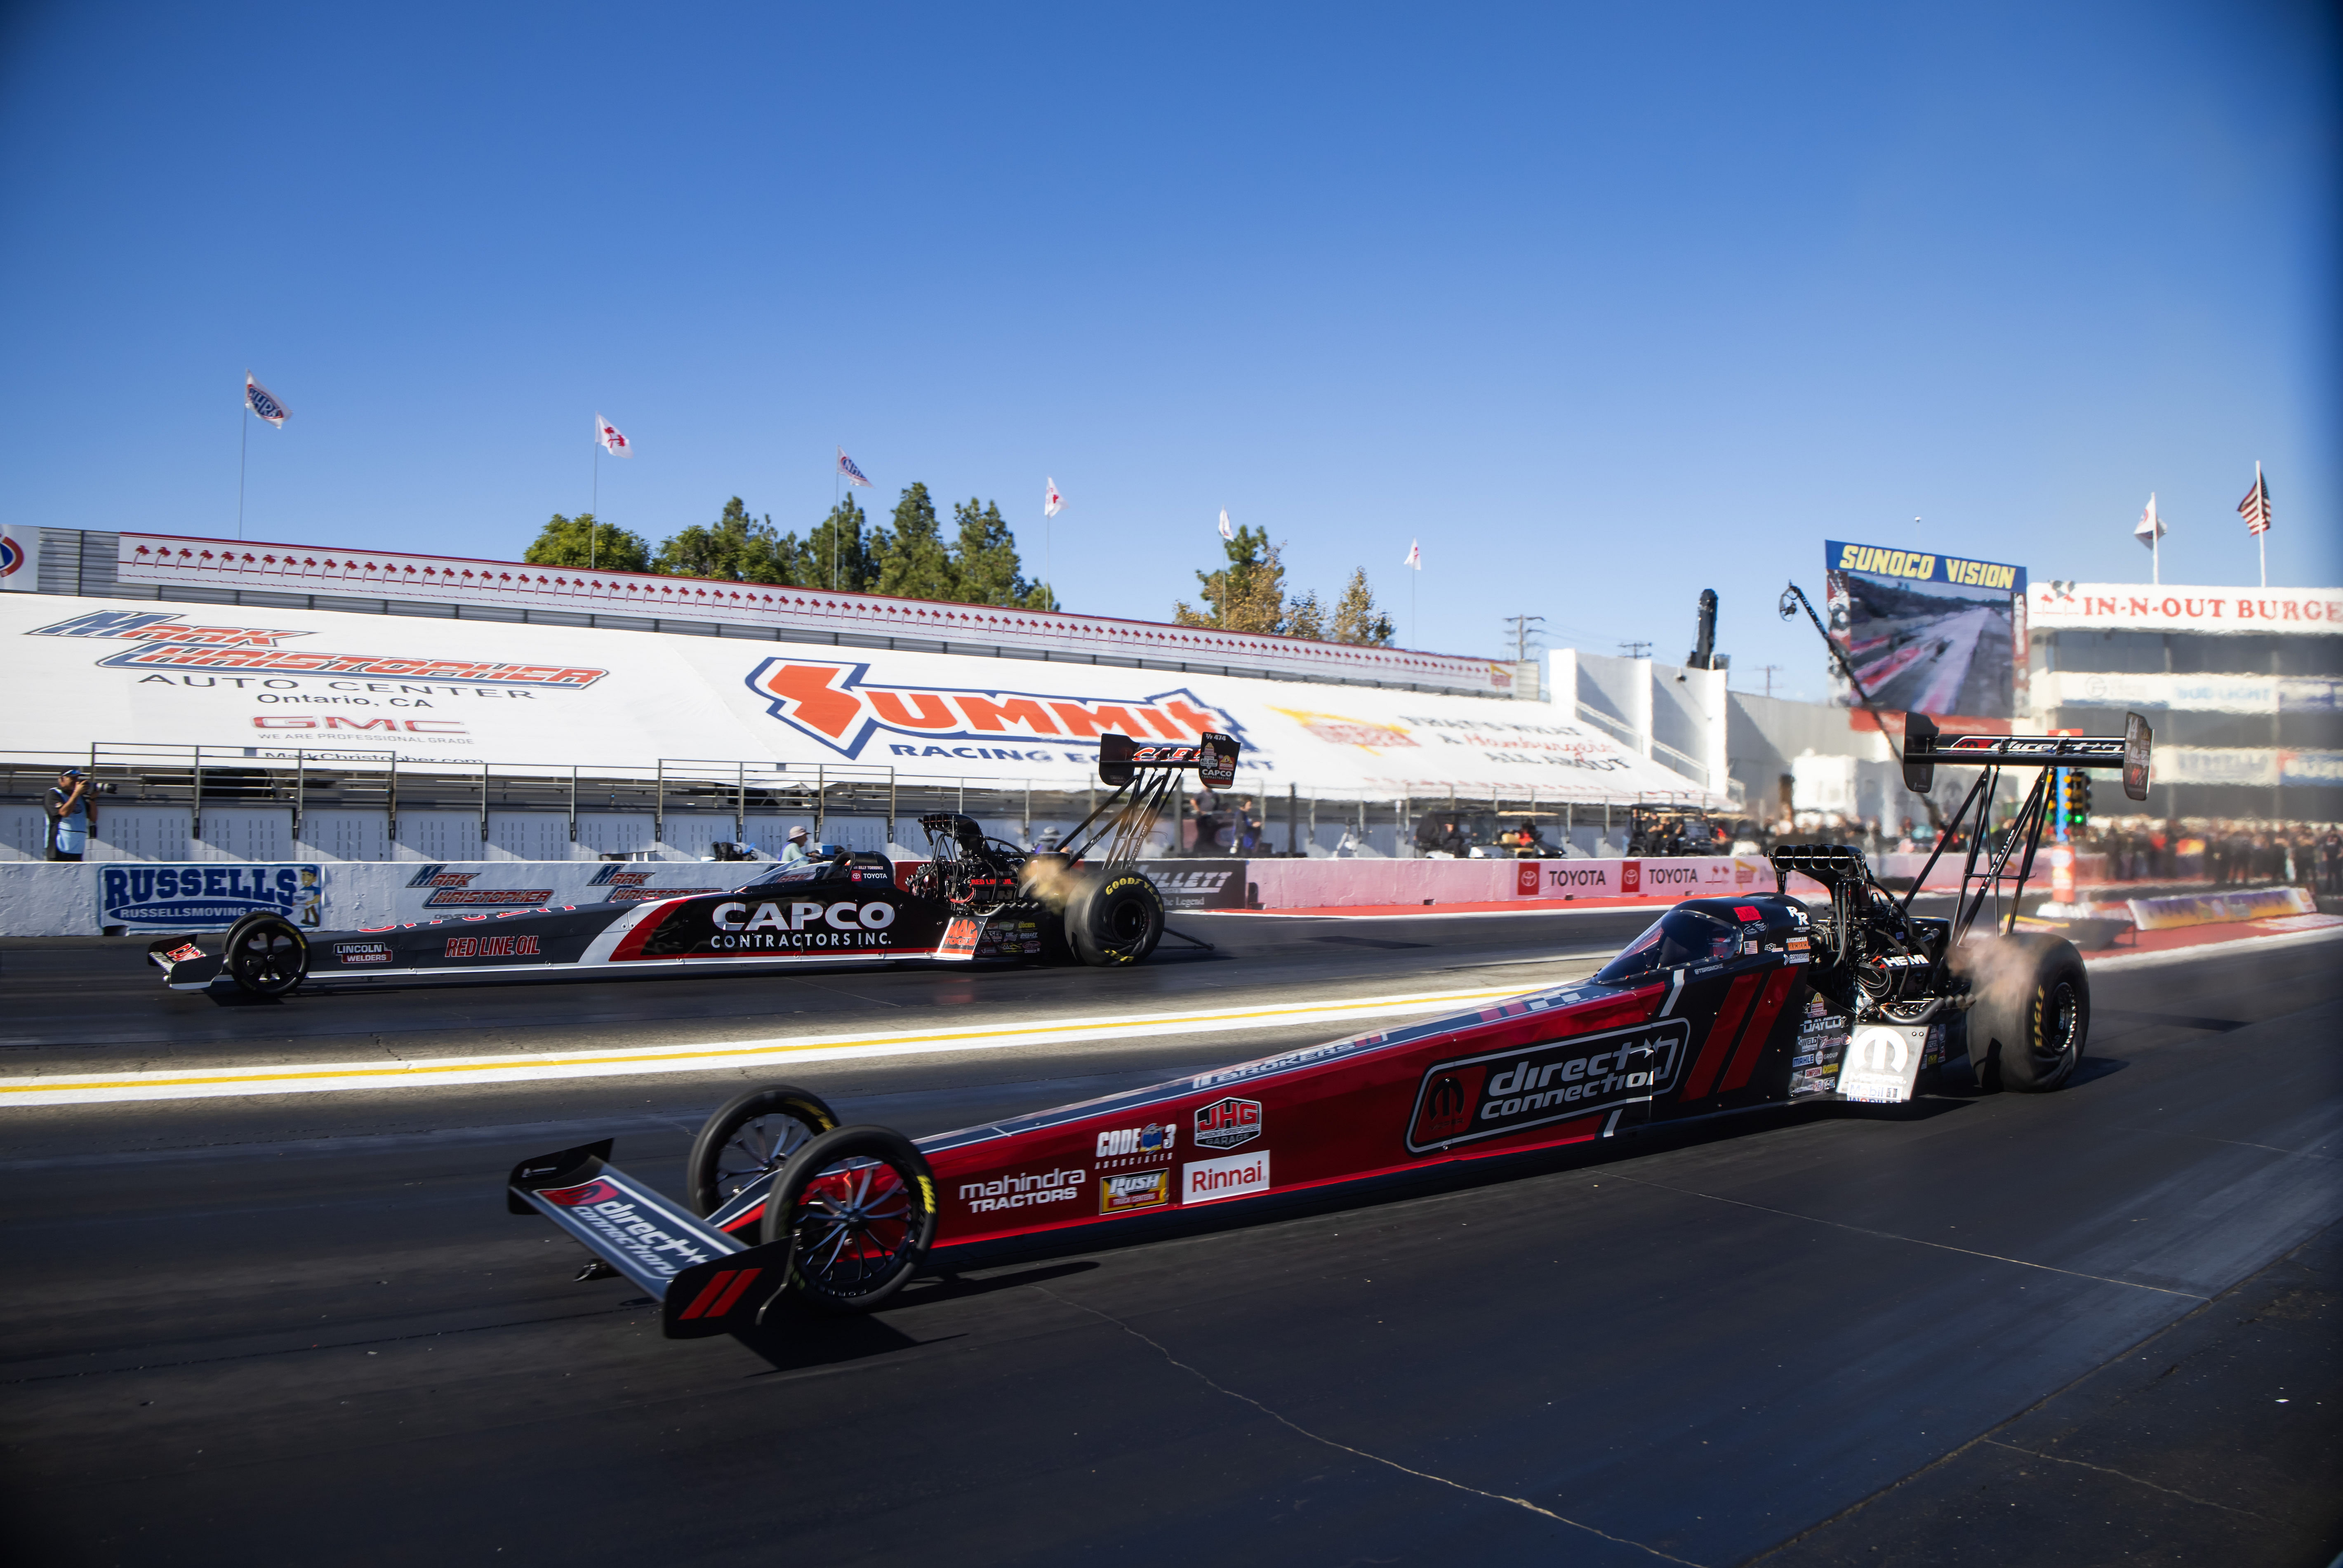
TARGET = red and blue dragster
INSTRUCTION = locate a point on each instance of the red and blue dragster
(1722, 1005)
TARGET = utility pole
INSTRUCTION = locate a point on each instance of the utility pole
(1768, 671)
(1636, 649)
(1523, 628)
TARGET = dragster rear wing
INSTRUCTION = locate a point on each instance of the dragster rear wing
(1924, 745)
(704, 1280)
(1214, 757)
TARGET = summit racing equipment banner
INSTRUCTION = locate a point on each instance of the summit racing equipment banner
(209, 895)
(367, 688)
(1931, 634)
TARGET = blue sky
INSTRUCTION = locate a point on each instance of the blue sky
(1606, 305)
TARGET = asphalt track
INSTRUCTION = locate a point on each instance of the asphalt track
(2098, 1325)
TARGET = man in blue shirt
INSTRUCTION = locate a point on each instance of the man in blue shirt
(71, 816)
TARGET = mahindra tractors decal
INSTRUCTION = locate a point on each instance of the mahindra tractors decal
(839, 706)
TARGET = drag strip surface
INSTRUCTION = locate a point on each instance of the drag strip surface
(255, 1322)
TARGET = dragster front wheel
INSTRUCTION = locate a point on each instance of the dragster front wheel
(266, 954)
(858, 1207)
(749, 1140)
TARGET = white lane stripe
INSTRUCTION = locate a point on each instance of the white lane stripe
(94, 1089)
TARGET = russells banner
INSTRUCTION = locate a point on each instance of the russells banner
(1936, 633)
(336, 687)
(206, 894)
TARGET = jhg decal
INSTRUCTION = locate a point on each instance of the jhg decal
(1504, 1091)
(166, 642)
(839, 706)
(1226, 1123)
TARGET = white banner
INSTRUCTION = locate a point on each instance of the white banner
(272, 683)
(2133, 607)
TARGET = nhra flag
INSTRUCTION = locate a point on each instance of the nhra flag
(853, 474)
(2151, 526)
(1415, 556)
(1051, 502)
(609, 438)
(263, 402)
(1226, 532)
(2256, 507)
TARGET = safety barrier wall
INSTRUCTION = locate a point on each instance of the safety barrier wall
(41, 899)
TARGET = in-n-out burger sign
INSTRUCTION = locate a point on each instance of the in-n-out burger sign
(2062, 606)
(839, 706)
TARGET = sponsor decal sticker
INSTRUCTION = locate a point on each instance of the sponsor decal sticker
(959, 937)
(1489, 1095)
(1151, 1141)
(1210, 1181)
(203, 894)
(1022, 1191)
(363, 953)
(1226, 1123)
(1128, 1192)
(602, 1209)
(510, 946)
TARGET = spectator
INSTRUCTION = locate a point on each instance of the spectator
(71, 814)
(2330, 862)
(793, 851)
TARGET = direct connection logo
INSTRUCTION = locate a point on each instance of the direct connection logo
(166, 642)
(840, 707)
(1504, 1091)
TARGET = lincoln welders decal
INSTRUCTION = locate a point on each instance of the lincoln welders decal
(839, 706)
(204, 895)
(170, 642)
(1487, 1096)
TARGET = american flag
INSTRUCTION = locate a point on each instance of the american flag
(611, 441)
(846, 467)
(2256, 507)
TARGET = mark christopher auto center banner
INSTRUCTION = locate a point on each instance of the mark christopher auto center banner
(272, 683)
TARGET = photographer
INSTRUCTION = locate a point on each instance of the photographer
(72, 813)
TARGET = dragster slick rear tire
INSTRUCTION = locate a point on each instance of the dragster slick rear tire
(859, 1206)
(1117, 920)
(749, 1140)
(266, 955)
(2032, 1016)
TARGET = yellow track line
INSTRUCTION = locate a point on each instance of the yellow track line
(93, 1087)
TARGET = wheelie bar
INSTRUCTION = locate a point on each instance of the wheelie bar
(704, 1280)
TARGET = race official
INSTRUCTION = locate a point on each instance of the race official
(71, 814)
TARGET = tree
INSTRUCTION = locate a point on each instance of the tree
(985, 559)
(738, 549)
(586, 542)
(1246, 594)
(839, 552)
(915, 564)
(1356, 619)
(1306, 618)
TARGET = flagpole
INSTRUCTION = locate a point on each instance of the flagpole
(242, 440)
(836, 487)
(594, 510)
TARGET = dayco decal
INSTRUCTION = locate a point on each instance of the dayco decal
(619, 1223)
(454, 891)
(1504, 1091)
(1022, 1191)
(1134, 1144)
(1225, 1123)
(1122, 1194)
(168, 643)
(838, 706)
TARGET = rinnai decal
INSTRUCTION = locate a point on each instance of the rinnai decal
(167, 642)
(1226, 1123)
(1505, 1092)
(206, 894)
(839, 706)
(1022, 1191)
(454, 891)
(1210, 1181)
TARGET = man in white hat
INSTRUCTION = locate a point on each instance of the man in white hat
(794, 850)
